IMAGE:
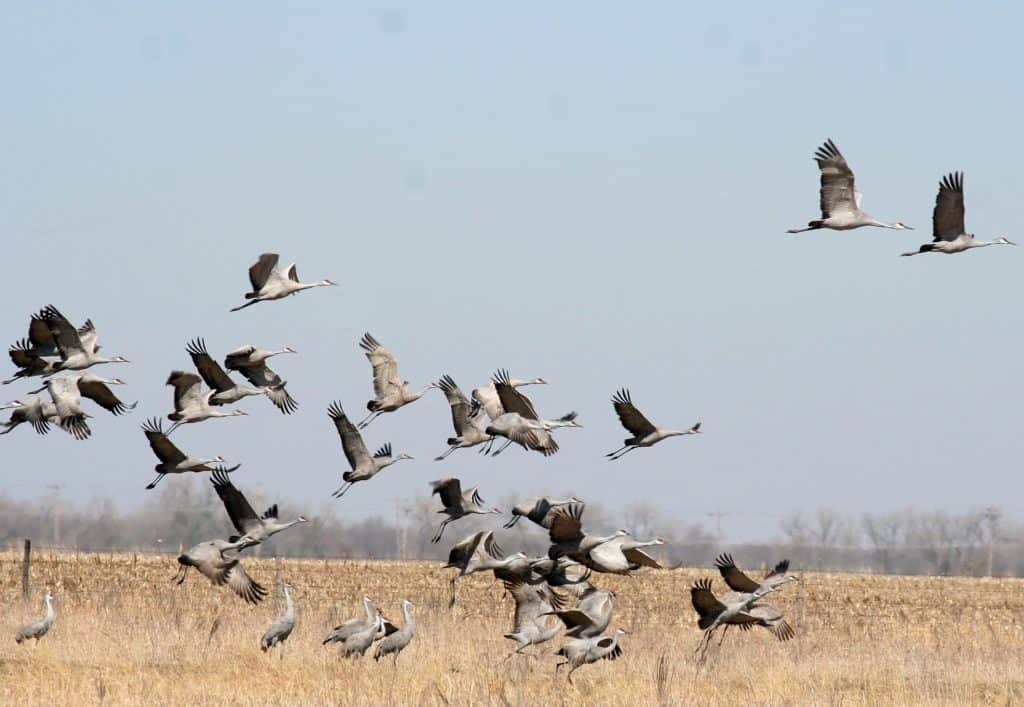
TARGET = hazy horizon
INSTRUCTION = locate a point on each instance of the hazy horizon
(591, 195)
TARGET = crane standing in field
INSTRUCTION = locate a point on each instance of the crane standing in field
(269, 283)
(396, 641)
(457, 503)
(279, 631)
(364, 467)
(839, 198)
(243, 517)
(390, 392)
(38, 629)
(949, 234)
(172, 459)
(345, 629)
(645, 434)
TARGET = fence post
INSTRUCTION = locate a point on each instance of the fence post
(25, 560)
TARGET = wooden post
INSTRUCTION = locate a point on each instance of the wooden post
(25, 560)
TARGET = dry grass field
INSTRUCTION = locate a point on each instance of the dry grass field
(126, 634)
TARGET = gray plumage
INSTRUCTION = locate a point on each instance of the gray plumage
(538, 510)
(390, 392)
(344, 630)
(949, 233)
(279, 631)
(584, 651)
(394, 643)
(535, 602)
(191, 402)
(218, 561)
(457, 503)
(251, 362)
(645, 433)
(270, 283)
(591, 615)
(468, 418)
(38, 629)
(172, 459)
(363, 466)
(739, 581)
(243, 517)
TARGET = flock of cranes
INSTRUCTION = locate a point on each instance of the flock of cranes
(551, 593)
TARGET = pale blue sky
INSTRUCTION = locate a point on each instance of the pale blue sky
(594, 193)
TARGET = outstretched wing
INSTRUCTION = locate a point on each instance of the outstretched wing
(244, 586)
(567, 523)
(213, 375)
(838, 193)
(385, 367)
(351, 441)
(186, 389)
(631, 418)
(733, 576)
(65, 336)
(102, 395)
(450, 491)
(260, 271)
(948, 216)
(163, 448)
(458, 402)
(243, 517)
(511, 399)
(779, 570)
(704, 601)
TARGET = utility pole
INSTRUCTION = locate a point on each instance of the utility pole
(718, 515)
(56, 513)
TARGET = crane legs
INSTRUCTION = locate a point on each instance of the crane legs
(503, 448)
(343, 490)
(446, 453)
(619, 453)
(155, 481)
(440, 530)
(368, 419)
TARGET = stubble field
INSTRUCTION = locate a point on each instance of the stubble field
(126, 634)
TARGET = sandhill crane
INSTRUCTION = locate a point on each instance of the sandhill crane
(269, 283)
(478, 553)
(531, 625)
(172, 459)
(713, 612)
(395, 642)
(347, 628)
(355, 645)
(520, 422)
(191, 404)
(40, 414)
(94, 388)
(218, 561)
(364, 467)
(279, 631)
(645, 434)
(67, 400)
(622, 555)
(584, 651)
(591, 615)
(226, 390)
(949, 235)
(77, 347)
(567, 536)
(487, 395)
(469, 419)
(738, 581)
(251, 362)
(457, 503)
(243, 517)
(538, 510)
(839, 198)
(389, 390)
(28, 362)
(38, 629)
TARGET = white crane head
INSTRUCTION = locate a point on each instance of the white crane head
(402, 455)
(301, 519)
(1003, 240)
(239, 411)
(218, 459)
(289, 349)
(900, 226)
(327, 283)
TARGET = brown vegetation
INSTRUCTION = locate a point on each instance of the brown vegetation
(126, 634)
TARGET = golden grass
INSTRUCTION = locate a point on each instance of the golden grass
(126, 634)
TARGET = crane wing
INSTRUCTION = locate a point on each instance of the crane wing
(385, 367)
(948, 216)
(733, 576)
(88, 336)
(65, 336)
(102, 395)
(704, 602)
(293, 273)
(163, 448)
(260, 271)
(458, 402)
(779, 570)
(450, 491)
(636, 556)
(351, 441)
(631, 418)
(566, 523)
(838, 193)
(243, 585)
(242, 515)
(239, 358)
(213, 375)
(186, 389)
(511, 399)
(772, 619)
(40, 337)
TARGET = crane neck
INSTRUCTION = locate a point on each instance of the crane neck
(289, 608)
